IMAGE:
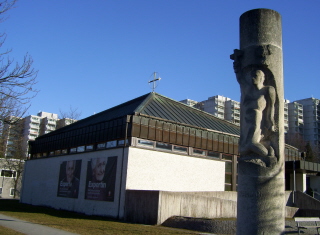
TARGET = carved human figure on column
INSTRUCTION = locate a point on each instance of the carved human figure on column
(258, 103)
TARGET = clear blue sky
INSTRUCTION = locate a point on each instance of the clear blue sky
(95, 54)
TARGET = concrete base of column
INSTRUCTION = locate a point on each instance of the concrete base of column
(261, 206)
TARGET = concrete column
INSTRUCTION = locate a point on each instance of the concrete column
(259, 70)
(301, 182)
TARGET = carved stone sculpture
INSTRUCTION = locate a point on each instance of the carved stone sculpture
(258, 104)
(259, 70)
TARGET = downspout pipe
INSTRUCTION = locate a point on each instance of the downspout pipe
(122, 163)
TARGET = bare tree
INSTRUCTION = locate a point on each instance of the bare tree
(16, 79)
(73, 114)
(17, 82)
(296, 140)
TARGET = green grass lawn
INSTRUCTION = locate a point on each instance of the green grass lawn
(77, 223)
(7, 231)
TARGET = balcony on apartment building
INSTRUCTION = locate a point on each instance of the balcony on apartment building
(50, 127)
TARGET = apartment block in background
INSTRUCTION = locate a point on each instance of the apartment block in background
(215, 105)
(311, 119)
(232, 111)
(286, 116)
(220, 106)
(191, 103)
(295, 117)
(30, 128)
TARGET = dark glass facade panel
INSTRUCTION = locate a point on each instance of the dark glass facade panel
(227, 157)
(228, 179)
(228, 187)
(228, 167)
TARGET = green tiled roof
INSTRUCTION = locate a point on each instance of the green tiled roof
(156, 105)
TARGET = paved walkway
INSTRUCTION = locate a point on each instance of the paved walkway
(30, 228)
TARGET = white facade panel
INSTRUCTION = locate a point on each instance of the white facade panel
(41, 180)
(140, 169)
(153, 170)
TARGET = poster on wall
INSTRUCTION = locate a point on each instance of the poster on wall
(101, 179)
(69, 178)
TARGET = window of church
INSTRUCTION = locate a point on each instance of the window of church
(89, 147)
(146, 143)
(164, 146)
(101, 146)
(180, 149)
(121, 142)
(214, 154)
(80, 149)
(199, 152)
(228, 172)
(111, 144)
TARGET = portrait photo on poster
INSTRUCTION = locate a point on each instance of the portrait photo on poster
(101, 178)
(69, 179)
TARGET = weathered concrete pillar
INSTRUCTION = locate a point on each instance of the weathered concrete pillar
(259, 70)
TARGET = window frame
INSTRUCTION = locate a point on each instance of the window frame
(12, 172)
(11, 192)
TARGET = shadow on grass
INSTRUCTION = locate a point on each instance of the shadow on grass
(13, 205)
(80, 223)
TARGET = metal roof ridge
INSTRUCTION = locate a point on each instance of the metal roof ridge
(144, 102)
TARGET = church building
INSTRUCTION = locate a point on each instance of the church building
(149, 144)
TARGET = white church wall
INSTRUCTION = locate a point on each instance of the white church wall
(154, 170)
(41, 182)
(146, 170)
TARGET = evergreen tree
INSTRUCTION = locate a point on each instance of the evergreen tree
(309, 153)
